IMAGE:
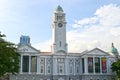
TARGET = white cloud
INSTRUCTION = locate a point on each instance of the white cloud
(102, 29)
(109, 15)
(85, 21)
(115, 31)
(44, 46)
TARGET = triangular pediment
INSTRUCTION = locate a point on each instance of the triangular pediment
(27, 48)
(96, 52)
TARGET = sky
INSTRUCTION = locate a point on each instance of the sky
(90, 23)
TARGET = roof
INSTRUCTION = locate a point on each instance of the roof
(97, 52)
(29, 47)
(46, 53)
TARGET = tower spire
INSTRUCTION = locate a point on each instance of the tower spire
(114, 50)
(113, 45)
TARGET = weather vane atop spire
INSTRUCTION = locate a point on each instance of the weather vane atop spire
(112, 44)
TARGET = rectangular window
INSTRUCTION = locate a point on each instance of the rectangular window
(42, 69)
(71, 69)
(83, 69)
(97, 64)
(48, 69)
(61, 70)
(90, 64)
(60, 60)
(77, 69)
(25, 64)
(104, 66)
(60, 65)
(60, 43)
(33, 64)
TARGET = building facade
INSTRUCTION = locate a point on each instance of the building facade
(59, 64)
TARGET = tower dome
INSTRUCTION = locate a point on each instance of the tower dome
(114, 50)
(59, 9)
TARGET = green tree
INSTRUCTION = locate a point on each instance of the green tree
(9, 57)
(116, 68)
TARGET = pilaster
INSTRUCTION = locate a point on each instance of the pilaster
(54, 66)
(74, 66)
(66, 66)
(45, 66)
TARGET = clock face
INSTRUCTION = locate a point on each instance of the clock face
(60, 24)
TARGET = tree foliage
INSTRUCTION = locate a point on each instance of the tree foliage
(9, 58)
(116, 68)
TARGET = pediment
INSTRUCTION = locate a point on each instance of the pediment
(96, 52)
(27, 48)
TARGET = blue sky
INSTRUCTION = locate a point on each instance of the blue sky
(90, 23)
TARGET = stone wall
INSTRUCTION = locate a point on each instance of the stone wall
(43, 77)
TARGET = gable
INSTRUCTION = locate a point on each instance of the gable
(96, 52)
(27, 48)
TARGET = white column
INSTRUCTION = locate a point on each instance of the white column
(86, 65)
(29, 64)
(38, 65)
(21, 62)
(94, 65)
(100, 66)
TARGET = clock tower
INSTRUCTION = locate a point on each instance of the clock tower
(59, 31)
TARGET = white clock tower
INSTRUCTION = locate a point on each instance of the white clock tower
(59, 31)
